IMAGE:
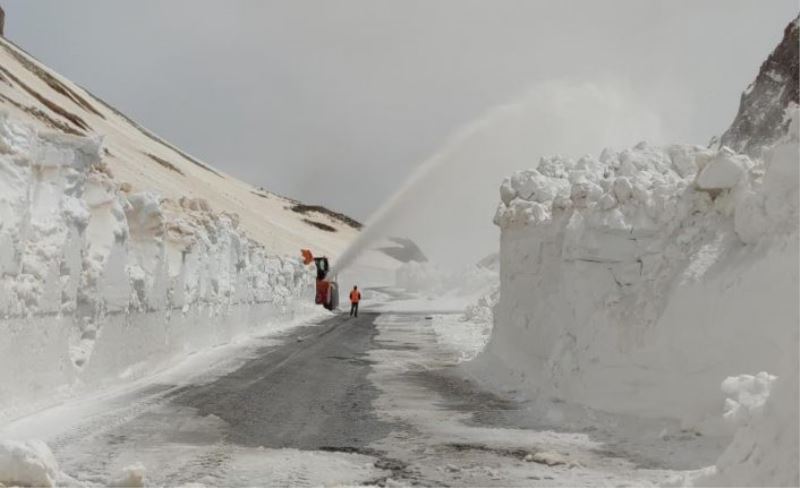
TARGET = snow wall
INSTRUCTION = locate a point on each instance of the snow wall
(98, 284)
(637, 281)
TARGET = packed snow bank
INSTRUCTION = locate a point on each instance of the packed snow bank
(32, 463)
(635, 282)
(97, 282)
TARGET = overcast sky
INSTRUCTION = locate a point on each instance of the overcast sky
(334, 102)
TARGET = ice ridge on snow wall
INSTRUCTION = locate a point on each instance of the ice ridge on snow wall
(97, 281)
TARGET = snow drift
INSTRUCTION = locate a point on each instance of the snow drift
(99, 282)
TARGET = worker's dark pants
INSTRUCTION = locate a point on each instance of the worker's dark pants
(354, 309)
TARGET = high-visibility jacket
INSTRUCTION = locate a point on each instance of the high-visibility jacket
(355, 296)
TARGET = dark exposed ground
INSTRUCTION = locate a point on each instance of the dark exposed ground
(304, 209)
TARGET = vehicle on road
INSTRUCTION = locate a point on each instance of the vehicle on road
(327, 289)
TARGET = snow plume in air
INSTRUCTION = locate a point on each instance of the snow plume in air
(446, 205)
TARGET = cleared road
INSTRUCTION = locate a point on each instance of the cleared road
(311, 393)
(376, 400)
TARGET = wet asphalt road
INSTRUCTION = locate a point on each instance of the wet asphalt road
(310, 393)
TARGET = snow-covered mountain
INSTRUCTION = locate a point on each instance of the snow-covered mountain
(138, 160)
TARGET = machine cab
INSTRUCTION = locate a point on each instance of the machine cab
(327, 290)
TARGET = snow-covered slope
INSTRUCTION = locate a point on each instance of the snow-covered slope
(141, 161)
(639, 281)
(119, 253)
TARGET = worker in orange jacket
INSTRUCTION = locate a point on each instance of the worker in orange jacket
(355, 297)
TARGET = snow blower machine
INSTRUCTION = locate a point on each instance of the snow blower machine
(327, 293)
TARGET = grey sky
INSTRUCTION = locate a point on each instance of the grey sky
(304, 97)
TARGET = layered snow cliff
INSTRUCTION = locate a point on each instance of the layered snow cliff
(98, 280)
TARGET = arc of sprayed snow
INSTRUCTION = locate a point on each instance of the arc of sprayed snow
(382, 219)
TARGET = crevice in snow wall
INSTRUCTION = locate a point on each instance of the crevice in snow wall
(98, 284)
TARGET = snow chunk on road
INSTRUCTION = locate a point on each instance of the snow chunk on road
(746, 396)
(28, 463)
(132, 477)
(764, 451)
(546, 458)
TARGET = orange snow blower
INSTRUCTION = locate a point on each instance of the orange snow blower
(327, 293)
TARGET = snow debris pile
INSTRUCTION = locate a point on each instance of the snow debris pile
(95, 279)
(132, 476)
(764, 450)
(29, 463)
(482, 311)
(746, 395)
(636, 281)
